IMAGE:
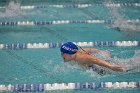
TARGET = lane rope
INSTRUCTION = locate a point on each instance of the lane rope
(15, 46)
(69, 86)
(29, 7)
(58, 22)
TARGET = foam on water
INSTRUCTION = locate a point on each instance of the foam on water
(131, 63)
(13, 9)
(121, 23)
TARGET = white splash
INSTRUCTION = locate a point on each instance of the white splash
(132, 64)
(71, 68)
(13, 9)
(129, 28)
(121, 22)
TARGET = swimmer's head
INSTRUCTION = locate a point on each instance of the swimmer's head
(68, 49)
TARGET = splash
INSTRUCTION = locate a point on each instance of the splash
(129, 28)
(13, 9)
(121, 23)
(70, 70)
(70, 67)
(132, 64)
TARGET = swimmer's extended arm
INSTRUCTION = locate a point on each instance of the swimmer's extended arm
(103, 63)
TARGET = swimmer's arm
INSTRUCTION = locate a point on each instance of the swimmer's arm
(104, 63)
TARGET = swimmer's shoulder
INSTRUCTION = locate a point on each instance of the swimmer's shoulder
(88, 50)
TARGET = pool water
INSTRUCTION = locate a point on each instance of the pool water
(46, 65)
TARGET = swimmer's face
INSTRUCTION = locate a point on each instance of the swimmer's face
(66, 57)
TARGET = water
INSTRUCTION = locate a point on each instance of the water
(46, 65)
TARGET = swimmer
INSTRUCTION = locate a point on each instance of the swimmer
(128, 28)
(70, 52)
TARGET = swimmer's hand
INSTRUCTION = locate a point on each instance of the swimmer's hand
(117, 68)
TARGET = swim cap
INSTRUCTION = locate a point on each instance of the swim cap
(69, 48)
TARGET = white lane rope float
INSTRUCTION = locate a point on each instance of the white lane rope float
(29, 7)
(15, 46)
(58, 22)
(69, 86)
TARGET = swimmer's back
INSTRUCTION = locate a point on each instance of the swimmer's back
(87, 50)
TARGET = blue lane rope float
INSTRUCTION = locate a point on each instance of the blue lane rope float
(83, 44)
(69, 86)
(57, 22)
(78, 5)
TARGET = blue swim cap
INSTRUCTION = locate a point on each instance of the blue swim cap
(69, 48)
